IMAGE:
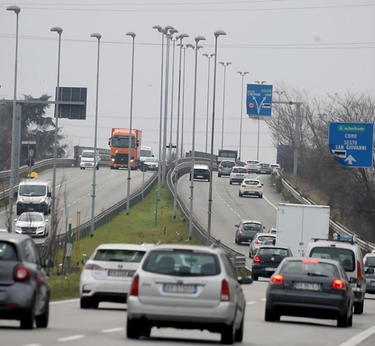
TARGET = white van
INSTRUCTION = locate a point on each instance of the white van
(87, 159)
(346, 251)
(34, 195)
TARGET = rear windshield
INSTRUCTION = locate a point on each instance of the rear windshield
(344, 256)
(182, 263)
(370, 262)
(265, 237)
(239, 170)
(250, 226)
(7, 251)
(310, 269)
(273, 252)
(252, 182)
(119, 255)
(227, 163)
(201, 170)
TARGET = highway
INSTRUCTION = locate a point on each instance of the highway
(74, 191)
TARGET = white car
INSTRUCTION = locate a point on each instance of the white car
(108, 273)
(251, 187)
(275, 167)
(32, 223)
(152, 163)
(87, 159)
(204, 294)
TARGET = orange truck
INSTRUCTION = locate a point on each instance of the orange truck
(119, 143)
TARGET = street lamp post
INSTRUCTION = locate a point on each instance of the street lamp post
(13, 162)
(197, 39)
(98, 37)
(242, 74)
(183, 102)
(225, 65)
(208, 242)
(53, 209)
(208, 56)
(180, 37)
(258, 82)
(279, 93)
(131, 34)
(172, 96)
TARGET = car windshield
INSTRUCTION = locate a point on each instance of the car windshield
(145, 152)
(310, 268)
(252, 182)
(370, 262)
(344, 256)
(274, 251)
(7, 251)
(182, 263)
(252, 226)
(88, 154)
(32, 190)
(30, 217)
(119, 255)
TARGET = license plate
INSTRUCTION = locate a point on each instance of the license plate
(270, 269)
(117, 273)
(306, 286)
(240, 175)
(3, 295)
(171, 288)
(200, 176)
(372, 283)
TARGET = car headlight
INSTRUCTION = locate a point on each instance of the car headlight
(42, 200)
(40, 228)
(18, 228)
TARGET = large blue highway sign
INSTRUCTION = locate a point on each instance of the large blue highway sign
(352, 144)
(259, 100)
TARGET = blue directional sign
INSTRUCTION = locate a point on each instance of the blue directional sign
(352, 144)
(259, 100)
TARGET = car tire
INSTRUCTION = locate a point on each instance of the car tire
(238, 336)
(358, 307)
(132, 329)
(270, 316)
(146, 330)
(230, 182)
(97, 168)
(342, 322)
(28, 317)
(85, 303)
(260, 196)
(254, 277)
(227, 334)
(238, 241)
(41, 321)
(350, 320)
(219, 175)
(240, 194)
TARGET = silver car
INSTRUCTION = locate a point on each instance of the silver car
(202, 293)
(258, 241)
(32, 223)
(370, 273)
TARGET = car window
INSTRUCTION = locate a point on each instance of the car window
(273, 252)
(310, 269)
(344, 256)
(31, 217)
(264, 237)
(7, 251)
(253, 162)
(228, 163)
(29, 252)
(194, 263)
(370, 262)
(252, 226)
(88, 154)
(119, 255)
(228, 267)
(252, 182)
(239, 170)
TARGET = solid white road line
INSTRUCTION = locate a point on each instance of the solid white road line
(71, 338)
(33, 345)
(250, 303)
(263, 299)
(356, 340)
(113, 330)
(58, 302)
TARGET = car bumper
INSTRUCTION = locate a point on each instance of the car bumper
(34, 235)
(22, 207)
(263, 270)
(370, 286)
(15, 300)
(251, 193)
(237, 180)
(302, 304)
(245, 238)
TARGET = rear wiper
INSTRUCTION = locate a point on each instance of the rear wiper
(314, 274)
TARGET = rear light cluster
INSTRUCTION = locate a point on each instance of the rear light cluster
(256, 241)
(220, 166)
(21, 273)
(359, 274)
(225, 295)
(240, 230)
(135, 286)
(277, 279)
(338, 284)
(93, 267)
(260, 186)
(256, 259)
(243, 185)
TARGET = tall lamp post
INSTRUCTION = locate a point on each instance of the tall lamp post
(225, 65)
(208, 56)
(279, 93)
(258, 82)
(184, 47)
(197, 39)
(53, 209)
(179, 37)
(208, 242)
(13, 162)
(98, 37)
(242, 74)
(131, 34)
(172, 96)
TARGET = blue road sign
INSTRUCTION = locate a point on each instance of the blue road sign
(352, 144)
(259, 100)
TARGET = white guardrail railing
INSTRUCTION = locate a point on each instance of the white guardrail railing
(334, 225)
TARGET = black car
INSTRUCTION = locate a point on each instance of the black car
(310, 287)
(24, 287)
(267, 259)
(265, 168)
(247, 230)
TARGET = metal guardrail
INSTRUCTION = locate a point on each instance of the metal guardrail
(184, 167)
(334, 225)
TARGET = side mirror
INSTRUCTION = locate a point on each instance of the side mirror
(46, 220)
(262, 184)
(15, 220)
(245, 281)
(48, 263)
(370, 271)
(236, 226)
(152, 155)
(84, 260)
(49, 194)
(80, 156)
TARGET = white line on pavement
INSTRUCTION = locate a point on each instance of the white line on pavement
(263, 299)
(33, 345)
(113, 330)
(71, 338)
(250, 303)
(58, 302)
(356, 340)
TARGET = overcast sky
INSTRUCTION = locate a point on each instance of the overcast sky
(321, 46)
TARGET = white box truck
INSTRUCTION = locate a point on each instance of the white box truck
(297, 224)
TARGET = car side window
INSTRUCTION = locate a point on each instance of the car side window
(228, 267)
(29, 252)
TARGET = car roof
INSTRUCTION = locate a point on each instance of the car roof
(213, 250)
(201, 166)
(34, 182)
(370, 255)
(322, 260)
(253, 221)
(266, 235)
(337, 243)
(252, 161)
(13, 238)
(121, 246)
(274, 247)
(239, 167)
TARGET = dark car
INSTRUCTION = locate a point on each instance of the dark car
(265, 168)
(267, 259)
(225, 167)
(24, 287)
(370, 273)
(309, 287)
(247, 230)
(201, 172)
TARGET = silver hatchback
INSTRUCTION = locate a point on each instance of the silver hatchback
(370, 273)
(187, 287)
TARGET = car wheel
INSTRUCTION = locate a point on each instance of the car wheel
(230, 182)
(240, 194)
(271, 316)
(238, 336)
(219, 175)
(27, 319)
(83, 168)
(260, 196)
(350, 321)
(97, 168)
(342, 321)
(146, 330)
(227, 334)
(42, 320)
(254, 277)
(238, 242)
(358, 308)
(85, 303)
(132, 329)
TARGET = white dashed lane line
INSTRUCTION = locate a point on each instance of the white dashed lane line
(71, 338)
(113, 330)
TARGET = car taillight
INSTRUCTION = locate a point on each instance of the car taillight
(277, 279)
(243, 185)
(258, 164)
(220, 166)
(225, 296)
(338, 284)
(256, 241)
(256, 259)
(135, 286)
(260, 186)
(93, 267)
(240, 230)
(21, 273)
(232, 170)
(359, 274)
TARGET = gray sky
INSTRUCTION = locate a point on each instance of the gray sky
(321, 46)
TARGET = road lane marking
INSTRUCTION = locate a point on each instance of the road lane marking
(33, 345)
(357, 339)
(113, 330)
(71, 338)
(250, 303)
(263, 299)
(67, 301)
